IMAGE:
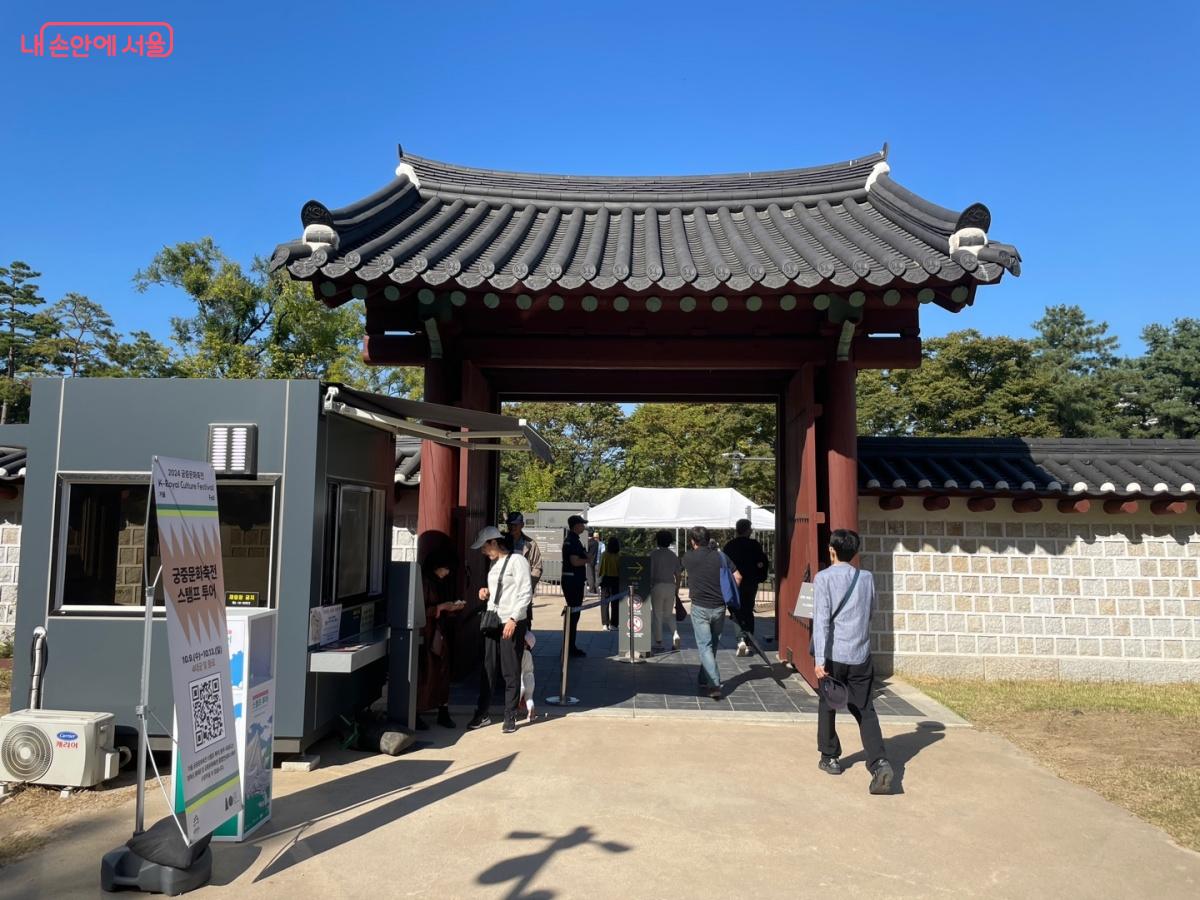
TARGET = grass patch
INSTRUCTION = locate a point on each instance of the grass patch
(980, 699)
(5, 689)
(1134, 744)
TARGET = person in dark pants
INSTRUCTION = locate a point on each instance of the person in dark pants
(747, 554)
(574, 576)
(703, 565)
(843, 600)
(508, 594)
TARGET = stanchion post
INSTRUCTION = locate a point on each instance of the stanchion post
(563, 698)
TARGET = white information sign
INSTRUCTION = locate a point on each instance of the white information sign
(189, 539)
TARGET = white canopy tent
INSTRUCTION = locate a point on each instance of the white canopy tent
(639, 507)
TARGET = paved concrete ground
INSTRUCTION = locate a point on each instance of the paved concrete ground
(665, 684)
(584, 806)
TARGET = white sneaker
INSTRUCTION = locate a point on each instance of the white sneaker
(742, 649)
(675, 641)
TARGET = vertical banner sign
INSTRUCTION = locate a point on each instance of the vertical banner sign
(189, 540)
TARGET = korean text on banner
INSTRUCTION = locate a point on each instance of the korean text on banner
(189, 539)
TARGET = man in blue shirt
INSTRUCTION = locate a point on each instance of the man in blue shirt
(842, 650)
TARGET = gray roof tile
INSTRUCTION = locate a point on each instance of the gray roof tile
(846, 224)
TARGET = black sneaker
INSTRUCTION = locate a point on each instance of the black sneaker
(480, 720)
(421, 724)
(881, 778)
(510, 726)
(714, 693)
(575, 651)
(443, 718)
(830, 765)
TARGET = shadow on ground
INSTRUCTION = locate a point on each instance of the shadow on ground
(902, 748)
(522, 870)
(304, 812)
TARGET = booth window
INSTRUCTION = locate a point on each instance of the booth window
(355, 542)
(102, 539)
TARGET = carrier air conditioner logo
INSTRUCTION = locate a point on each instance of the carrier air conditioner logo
(67, 740)
(81, 40)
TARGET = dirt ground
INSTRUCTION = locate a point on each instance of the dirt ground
(1141, 757)
(34, 815)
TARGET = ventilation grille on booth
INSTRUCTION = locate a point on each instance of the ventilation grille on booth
(232, 449)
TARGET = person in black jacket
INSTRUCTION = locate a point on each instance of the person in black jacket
(747, 554)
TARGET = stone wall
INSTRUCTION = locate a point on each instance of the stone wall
(1008, 595)
(404, 527)
(10, 558)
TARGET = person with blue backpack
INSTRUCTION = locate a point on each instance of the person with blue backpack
(711, 578)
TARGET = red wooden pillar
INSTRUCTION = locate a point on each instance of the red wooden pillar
(477, 482)
(797, 519)
(439, 468)
(841, 414)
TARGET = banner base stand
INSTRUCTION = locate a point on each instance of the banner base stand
(122, 869)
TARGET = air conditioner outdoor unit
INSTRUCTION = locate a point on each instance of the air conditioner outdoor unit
(52, 747)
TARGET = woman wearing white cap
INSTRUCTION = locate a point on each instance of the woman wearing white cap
(508, 595)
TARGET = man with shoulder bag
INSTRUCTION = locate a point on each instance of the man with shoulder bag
(843, 599)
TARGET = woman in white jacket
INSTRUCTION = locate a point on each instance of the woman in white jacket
(508, 594)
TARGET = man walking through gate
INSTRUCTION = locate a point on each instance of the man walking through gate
(747, 554)
(703, 565)
(574, 562)
(844, 598)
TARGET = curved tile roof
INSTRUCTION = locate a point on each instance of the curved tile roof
(1061, 467)
(837, 226)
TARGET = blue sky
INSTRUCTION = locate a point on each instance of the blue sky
(1076, 123)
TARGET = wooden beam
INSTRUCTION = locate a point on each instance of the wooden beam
(891, 501)
(8, 492)
(1027, 505)
(981, 504)
(935, 502)
(1165, 507)
(635, 386)
(1116, 505)
(648, 353)
(887, 352)
(1070, 507)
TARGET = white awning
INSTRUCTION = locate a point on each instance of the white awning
(639, 507)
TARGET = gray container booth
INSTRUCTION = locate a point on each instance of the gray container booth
(310, 526)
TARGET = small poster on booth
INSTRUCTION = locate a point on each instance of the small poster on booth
(189, 540)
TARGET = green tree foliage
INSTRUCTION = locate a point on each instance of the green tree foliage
(1080, 358)
(599, 451)
(139, 356)
(967, 384)
(84, 334)
(256, 324)
(1160, 390)
(684, 445)
(588, 440)
(22, 330)
(250, 324)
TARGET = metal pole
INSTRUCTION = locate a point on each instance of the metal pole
(143, 706)
(563, 699)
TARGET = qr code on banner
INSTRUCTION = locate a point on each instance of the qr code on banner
(208, 715)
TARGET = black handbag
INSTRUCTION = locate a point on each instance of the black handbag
(835, 692)
(489, 622)
(680, 611)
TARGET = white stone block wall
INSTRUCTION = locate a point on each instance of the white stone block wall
(1009, 595)
(404, 538)
(10, 558)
